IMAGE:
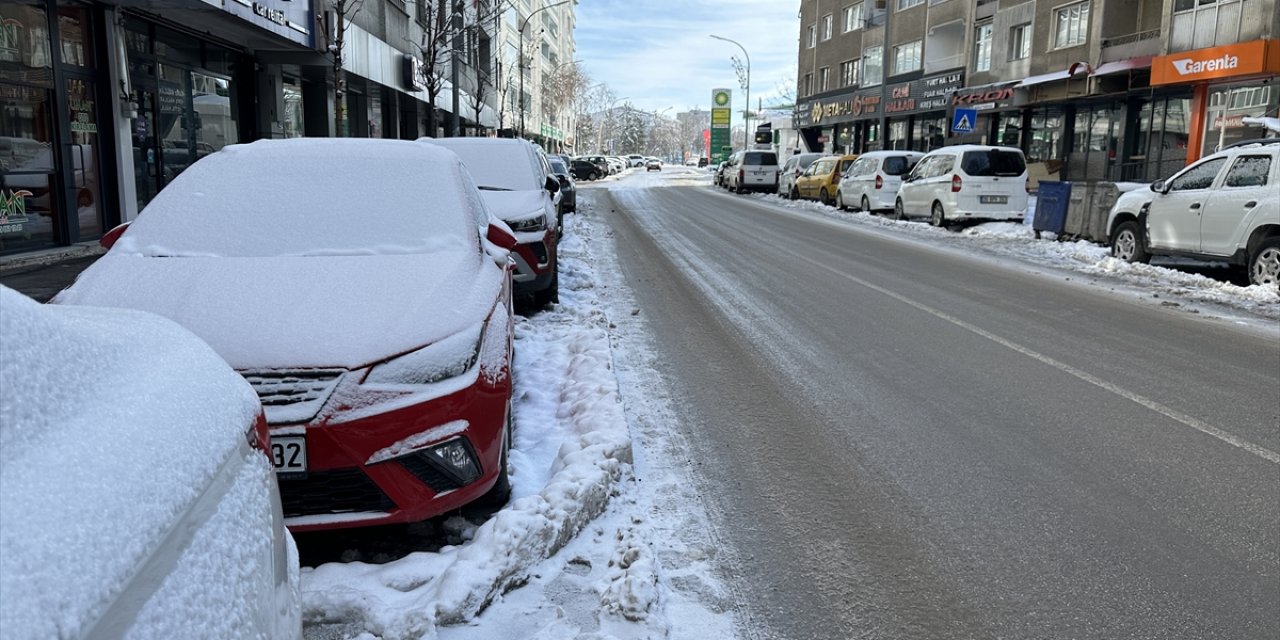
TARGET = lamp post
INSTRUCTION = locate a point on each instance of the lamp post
(524, 23)
(746, 85)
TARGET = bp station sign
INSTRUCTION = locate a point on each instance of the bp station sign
(721, 123)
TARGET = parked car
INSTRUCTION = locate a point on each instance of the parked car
(585, 169)
(752, 171)
(691, 163)
(517, 184)
(794, 166)
(718, 178)
(965, 182)
(871, 183)
(652, 164)
(616, 164)
(635, 160)
(601, 163)
(822, 179)
(136, 473)
(379, 343)
(1224, 207)
(568, 189)
(703, 161)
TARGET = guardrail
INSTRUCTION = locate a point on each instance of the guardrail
(1129, 38)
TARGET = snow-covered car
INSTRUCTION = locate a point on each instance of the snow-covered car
(871, 183)
(137, 498)
(752, 171)
(568, 188)
(965, 183)
(652, 164)
(791, 169)
(1224, 207)
(367, 302)
(516, 182)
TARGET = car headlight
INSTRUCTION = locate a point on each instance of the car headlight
(441, 360)
(536, 223)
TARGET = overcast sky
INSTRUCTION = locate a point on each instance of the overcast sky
(659, 53)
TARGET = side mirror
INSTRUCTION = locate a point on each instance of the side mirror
(1158, 186)
(501, 235)
(552, 185)
(109, 238)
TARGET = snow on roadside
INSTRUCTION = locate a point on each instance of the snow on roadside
(571, 449)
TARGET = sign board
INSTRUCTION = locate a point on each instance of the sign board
(963, 120)
(926, 94)
(1234, 60)
(721, 122)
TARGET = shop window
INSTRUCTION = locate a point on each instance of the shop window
(291, 119)
(75, 28)
(852, 17)
(1227, 110)
(24, 44)
(1072, 25)
(928, 134)
(982, 48)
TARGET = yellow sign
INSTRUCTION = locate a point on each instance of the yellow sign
(720, 116)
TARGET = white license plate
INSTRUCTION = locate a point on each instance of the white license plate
(289, 454)
(993, 199)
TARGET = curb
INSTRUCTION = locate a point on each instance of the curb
(10, 265)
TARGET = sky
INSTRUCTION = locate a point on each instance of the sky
(659, 53)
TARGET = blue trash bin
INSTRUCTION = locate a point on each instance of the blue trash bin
(1051, 207)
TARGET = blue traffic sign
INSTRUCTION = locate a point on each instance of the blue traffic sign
(963, 120)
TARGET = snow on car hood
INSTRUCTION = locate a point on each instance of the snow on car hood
(1134, 199)
(301, 312)
(516, 205)
(112, 425)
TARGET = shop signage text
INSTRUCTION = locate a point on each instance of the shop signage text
(925, 94)
(986, 96)
(412, 71)
(13, 210)
(855, 106)
(1256, 58)
(275, 15)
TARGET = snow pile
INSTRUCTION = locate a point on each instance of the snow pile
(571, 449)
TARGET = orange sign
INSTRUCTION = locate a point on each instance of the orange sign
(1258, 57)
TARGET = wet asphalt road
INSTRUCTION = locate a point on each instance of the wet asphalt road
(902, 441)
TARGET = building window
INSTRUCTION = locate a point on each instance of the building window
(807, 87)
(873, 66)
(1187, 5)
(982, 48)
(826, 27)
(1072, 25)
(824, 78)
(853, 17)
(907, 4)
(849, 73)
(813, 36)
(907, 57)
(1020, 42)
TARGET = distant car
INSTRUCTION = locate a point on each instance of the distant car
(965, 183)
(791, 169)
(568, 189)
(584, 169)
(822, 179)
(616, 165)
(635, 160)
(602, 163)
(516, 182)
(119, 505)
(691, 163)
(1226, 207)
(702, 162)
(752, 171)
(652, 165)
(379, 345)
(871, 183)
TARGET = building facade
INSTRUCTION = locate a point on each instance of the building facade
(538, 49)
(107, 101)
(1088, 89)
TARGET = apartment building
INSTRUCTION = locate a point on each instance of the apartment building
(1089, 89)
(537, 51)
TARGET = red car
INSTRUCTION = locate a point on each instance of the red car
(373, 318)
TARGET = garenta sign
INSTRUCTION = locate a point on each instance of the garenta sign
(1188, 66)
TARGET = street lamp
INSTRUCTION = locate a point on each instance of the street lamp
(746, 85)
(524, 23)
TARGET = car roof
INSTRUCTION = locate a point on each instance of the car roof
(890, 153)
(961, 148)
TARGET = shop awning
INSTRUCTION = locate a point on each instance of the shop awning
(1075, 69)
(1121, 66)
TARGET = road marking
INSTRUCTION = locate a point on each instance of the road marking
(1198, 425)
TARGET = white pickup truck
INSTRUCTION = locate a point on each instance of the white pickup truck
(1224, 207)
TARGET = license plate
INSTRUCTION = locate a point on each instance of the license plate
(289, 454)
(993, 199)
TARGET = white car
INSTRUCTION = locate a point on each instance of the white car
(965, 182)
(871, 183)
(794, 166)
(752, 171)
(137, 494)
(1224, 207)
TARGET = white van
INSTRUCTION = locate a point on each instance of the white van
(965, 182)
(871, 183)
(752, 171)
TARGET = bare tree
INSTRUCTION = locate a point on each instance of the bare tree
(560, 90)
(343, 12)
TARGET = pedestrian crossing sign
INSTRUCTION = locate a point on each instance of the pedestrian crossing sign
(963, 120)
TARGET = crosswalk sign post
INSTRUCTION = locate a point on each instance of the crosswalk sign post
(963, 120)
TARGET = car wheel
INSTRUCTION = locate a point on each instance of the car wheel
(739, 188)
(939, 217)
(1127, 243)
(593, 176)
(840, 201)
(866, 205)
(795, 193)
(824, 197)
(1264, 264)
(898, 213)
(500, 492)
(542, 299)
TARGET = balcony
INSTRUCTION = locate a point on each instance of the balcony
(1132, 45)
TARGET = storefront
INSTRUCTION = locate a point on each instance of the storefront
(847, 122)
(916, 111)
(1227, 84)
